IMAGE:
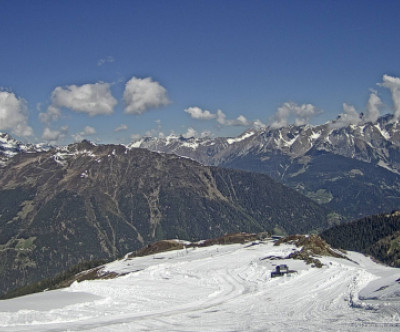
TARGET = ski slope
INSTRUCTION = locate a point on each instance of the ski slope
(219, 288)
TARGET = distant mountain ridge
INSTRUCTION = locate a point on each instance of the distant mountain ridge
(353, 169)
(86, 201)
(376, 143)
(9, 147)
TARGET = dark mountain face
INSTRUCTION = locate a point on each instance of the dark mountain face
(354, 170)
(85, 202)
(348, 186)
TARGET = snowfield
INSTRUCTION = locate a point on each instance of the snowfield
(219, 288)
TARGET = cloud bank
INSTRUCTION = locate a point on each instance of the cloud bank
(54, 136)
(122, 127)
(14, 114)
(199, 114)
(87, 131)
(142, 94)
(374, 105)
(301, 113)
(190, 133)
(350, 116)
(93, 99)
(52, 114)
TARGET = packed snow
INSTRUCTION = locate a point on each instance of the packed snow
(219, 288)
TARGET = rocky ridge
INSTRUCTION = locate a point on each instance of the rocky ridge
(377, 143)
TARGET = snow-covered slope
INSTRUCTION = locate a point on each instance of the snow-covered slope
(219, 288)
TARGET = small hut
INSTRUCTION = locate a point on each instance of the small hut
(281, 270)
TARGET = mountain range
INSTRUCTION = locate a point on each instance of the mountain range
(351, 169)
(63, 205)
(84, 201)
(9, 147)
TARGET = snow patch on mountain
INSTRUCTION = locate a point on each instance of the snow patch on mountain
(383, 132)
(240, 138)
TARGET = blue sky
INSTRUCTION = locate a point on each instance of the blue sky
(110, 71)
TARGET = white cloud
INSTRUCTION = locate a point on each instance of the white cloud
(108, 59)
(373, 107)
(190, 133)
(239, 121)
(206, 133)
(154, 133)
(136, 137)
(52, 114)
(78, 137)
(54, 136)
(197, 113)
(221, 117)
(14, 114)
(350, 116)
(93, 99)
(258, 125)
(393, 83)
(122, 127)
(87, 131)
(301, 113)
(281, 117)
(142, 94)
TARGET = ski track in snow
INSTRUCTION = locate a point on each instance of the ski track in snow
(219, 288)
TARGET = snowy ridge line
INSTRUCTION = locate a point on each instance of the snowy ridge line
(367, 141)
(294, 141)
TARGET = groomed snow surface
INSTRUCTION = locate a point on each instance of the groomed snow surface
(219, 288)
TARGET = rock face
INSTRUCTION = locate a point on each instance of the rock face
(83, 202)
(353, 169)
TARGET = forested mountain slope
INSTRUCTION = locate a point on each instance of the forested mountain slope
(377, 235)
(85, 202)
